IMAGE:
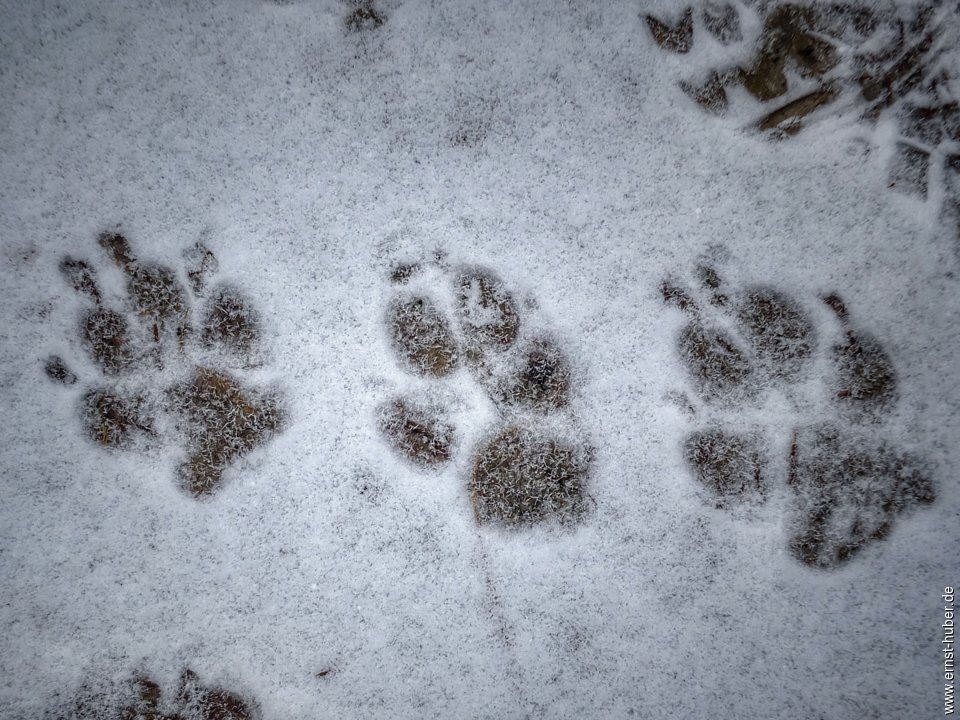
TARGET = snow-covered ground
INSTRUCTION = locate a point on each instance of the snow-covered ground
(329, 577)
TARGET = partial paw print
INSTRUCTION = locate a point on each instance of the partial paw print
(463, 325)
(141, 698)
(738, 346)
(163, 364)
(858, 60)
(803, 57)
(363, 16)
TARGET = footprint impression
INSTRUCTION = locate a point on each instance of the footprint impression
(465, 325)
(141, 698)
(803, 57)
(847, 486)
(165, 371)
(806, 61)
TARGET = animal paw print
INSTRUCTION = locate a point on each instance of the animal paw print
(847, 486)
(157, 364)
(806, 58)
(143, 699)
(456, 326)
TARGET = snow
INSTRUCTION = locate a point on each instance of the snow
(551, 144)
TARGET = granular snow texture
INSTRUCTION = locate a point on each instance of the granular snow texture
(338, 159)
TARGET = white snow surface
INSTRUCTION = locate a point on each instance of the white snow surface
(312, 159)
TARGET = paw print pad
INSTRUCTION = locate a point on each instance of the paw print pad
(848, 492)
(135, 348)
(729, 464)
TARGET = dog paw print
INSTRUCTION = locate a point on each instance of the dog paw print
(142, 698)
(166, 357)
(739, 346)
(458, 326)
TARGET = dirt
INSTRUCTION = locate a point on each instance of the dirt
(893, 58)
(711, 95)
(865, 381)
(106, 336)
(57, 370)
(402, 272)
(82, 277)
(364, 17)
(788, 119)
(909, 170)
(723, 22)
(201, 265)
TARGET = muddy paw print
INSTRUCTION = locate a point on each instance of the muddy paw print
(143, 699)
(456, 326)
(163, 354)
(738, 347)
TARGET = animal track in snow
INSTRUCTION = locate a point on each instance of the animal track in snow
(163, 376)
(464, 325)
(807, 61)
(141, 698)
(846, 485)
